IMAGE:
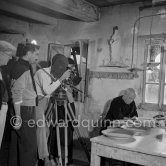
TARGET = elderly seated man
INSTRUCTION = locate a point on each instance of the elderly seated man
(122, 107)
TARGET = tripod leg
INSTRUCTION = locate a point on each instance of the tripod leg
(58, 137)
(66, 135)
(73, 117)
(48, 112)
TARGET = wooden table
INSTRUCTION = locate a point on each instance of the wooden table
(145, 150)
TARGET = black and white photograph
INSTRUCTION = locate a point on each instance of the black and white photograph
(82, 82)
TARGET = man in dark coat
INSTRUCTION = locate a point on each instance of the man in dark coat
(122, 107)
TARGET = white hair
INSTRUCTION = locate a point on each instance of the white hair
(130, 91)
(7, 47)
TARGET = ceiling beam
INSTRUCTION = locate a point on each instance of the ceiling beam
(116, 2)
(29, 14)
(79, 9)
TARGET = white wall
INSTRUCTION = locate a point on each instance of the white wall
(123, 16)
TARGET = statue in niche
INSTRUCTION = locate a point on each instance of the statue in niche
(114, 47)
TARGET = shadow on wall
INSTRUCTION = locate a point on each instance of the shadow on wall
(98, 125)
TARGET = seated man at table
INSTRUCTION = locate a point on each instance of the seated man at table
(122, 107)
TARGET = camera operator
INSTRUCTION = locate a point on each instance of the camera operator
(45, 87)
(74, 79)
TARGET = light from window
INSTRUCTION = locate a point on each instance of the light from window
(152, 74)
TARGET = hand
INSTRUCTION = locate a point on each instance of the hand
(16, 122)
(126, 118)
(134, 118)
(65, 75)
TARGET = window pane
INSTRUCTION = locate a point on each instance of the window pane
(152, 73)
(151, 93)
(165, 94)
(165, 71)
(154, 53)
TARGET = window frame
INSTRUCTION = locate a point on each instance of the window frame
(160, 104)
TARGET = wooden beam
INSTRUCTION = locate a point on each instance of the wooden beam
(120, 2)
(79, 9)
(158, 1)
(17, 10)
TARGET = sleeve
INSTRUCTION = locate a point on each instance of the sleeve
(134, 110)
(18, 87)
(115, 111)
(3, 93)
(43, 83)
(5, 97)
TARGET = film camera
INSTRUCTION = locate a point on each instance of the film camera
(73, 80)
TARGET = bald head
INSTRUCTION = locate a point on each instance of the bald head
(129, 95)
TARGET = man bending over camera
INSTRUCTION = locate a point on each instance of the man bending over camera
(45, 87)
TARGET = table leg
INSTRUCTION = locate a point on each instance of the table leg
(95, 159)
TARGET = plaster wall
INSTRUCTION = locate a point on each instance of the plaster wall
(123, 16)
(66, 32)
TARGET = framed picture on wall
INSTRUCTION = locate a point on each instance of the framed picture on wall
(54, 49)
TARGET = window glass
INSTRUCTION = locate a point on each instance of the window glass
(154, 52)
(164, 95)
(151, 93)
(152, 74)
(165, 72)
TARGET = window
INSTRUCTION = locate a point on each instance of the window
(154, 91)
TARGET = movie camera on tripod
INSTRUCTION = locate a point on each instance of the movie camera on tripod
(74, 78)
(59, 98)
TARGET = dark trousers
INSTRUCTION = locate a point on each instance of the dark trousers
(4, 150)
(23, 146)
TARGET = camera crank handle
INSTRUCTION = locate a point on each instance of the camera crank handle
(73, 87)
